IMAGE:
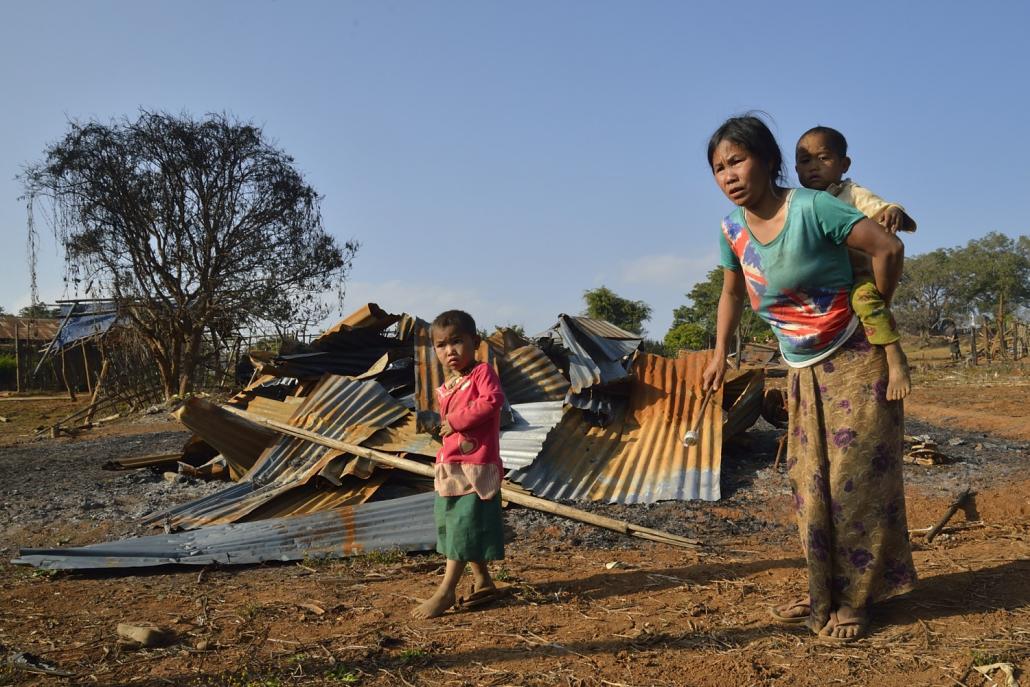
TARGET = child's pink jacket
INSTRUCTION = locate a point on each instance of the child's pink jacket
(473, 409)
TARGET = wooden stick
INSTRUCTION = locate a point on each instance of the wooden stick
(952, 509)
(96, 391)
(508, 494)
(779, 450)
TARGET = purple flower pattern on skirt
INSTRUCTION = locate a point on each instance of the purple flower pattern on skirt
(844, 457)
(842, 438)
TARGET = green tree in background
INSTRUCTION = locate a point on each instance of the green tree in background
(988, 275)
(605, 304)
(693, 326)
(39, 311)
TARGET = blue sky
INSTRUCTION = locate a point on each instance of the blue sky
(503, 157)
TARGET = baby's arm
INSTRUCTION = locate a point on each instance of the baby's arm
(890, 216)
(488, 402)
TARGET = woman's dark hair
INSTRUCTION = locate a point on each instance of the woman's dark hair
(459, 319)
(751, 133)
(834, 139)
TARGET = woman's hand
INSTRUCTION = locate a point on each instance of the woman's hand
(714, 371)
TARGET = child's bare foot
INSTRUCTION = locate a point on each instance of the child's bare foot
(899, 382)
(434, 606)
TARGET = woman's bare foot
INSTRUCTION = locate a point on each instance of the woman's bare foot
(899, 381)
(434, 606)
(793, 612)
(845, 625)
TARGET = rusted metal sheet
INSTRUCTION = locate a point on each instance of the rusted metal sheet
(639, 457)
(744, 393)
(369, 316)
(404, 437)
(404, 524)
(272, 409)
(240, 441)
(33, 329)
(522, 442)
(528, 376)
(316, 496)
(339, 408)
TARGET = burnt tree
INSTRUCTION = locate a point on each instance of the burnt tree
(197, 225)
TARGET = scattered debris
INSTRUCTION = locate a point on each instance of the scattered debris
(145, 634)
(30, 663)
(925, 453)
(320, 429)
(952, 509)
(1007, 669)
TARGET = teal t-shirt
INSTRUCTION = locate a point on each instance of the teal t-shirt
(801, 280)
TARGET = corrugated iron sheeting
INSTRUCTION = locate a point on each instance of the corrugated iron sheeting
(338, 408)
(604, 329)
(29, 328)
(317, 496)
(592, 360)
(240, 441)
(745, 393)
(404, 523)
(523, 441)
(639, 457)
(369, 316)
(528, 376)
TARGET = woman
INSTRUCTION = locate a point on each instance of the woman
(787, 249)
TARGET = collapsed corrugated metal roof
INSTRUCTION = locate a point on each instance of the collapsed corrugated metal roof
(404, 523)
(338, 408)
(84, 321)
(28, 328)
(639, 457)
(593, 358)
(529, 376)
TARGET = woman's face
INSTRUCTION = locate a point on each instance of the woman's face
(740, 175)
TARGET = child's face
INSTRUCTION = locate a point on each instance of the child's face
(740, 175)
(455, 349)
(817, 164)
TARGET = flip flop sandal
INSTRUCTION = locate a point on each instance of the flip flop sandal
(790, 619)
(862, 626)
(481, 597)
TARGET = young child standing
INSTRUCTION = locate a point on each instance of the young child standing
(468, 466)
(821, 161)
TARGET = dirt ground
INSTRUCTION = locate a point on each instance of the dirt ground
(661, 616)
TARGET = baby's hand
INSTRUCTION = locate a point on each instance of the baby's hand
(446, 429)
(892, 219)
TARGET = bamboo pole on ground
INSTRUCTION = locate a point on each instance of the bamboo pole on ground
(507, 493)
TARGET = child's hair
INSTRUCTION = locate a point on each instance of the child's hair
(834, 139)
(459, 319)
(751, 133)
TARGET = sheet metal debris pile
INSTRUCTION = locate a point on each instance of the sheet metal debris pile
(590, 417)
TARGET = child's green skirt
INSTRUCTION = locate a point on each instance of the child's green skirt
(469, 528)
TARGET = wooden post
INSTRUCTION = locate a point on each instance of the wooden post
(85, 368)
(64, 376)
(972, 342)
(96, 391)
(17, 356)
